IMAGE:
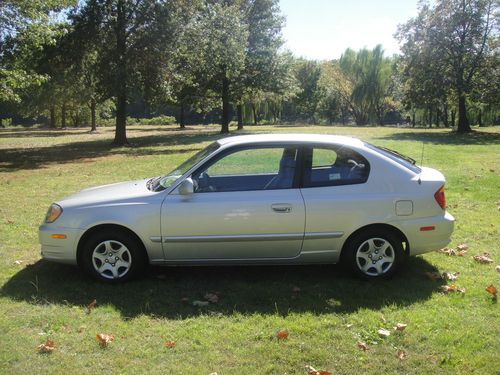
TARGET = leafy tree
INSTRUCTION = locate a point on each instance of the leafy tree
(125, 35)
(449, 40)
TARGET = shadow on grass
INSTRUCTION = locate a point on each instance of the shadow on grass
(446, 137)
(244, 290)
(13, 159)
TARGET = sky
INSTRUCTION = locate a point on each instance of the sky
(323, 29)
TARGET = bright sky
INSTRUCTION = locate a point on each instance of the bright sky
(323, 29)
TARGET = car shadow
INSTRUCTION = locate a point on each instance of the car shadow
(169, 291)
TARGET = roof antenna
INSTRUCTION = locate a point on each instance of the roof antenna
(421, 162)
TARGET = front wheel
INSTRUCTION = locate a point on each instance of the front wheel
(113, 257)
(374, 255)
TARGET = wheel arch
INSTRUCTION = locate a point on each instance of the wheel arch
(108, 228)
(378, 227)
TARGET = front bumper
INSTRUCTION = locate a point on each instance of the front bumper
(59, 250)
(426, 241)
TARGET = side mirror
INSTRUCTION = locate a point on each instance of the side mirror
(186, 187)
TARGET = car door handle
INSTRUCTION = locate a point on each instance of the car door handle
(281, 208)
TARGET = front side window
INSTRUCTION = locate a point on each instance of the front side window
(326, 166)
(256, 168)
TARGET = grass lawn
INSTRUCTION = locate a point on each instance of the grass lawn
(456, 333)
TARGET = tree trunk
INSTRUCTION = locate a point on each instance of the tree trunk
(429, 121)
(92, 114)
(63, 116)
(445, 115)
(225, 106)
(1, 123)
(480, 118)
(52, 123)
(239, 109)
(413, 122)
(182, 116)
(254, 111)
(438, 117)
(452, 123)
(463, 123)
(121, 76)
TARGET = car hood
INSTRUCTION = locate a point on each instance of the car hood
(113, 193)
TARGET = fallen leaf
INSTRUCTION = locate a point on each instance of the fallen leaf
(383, 333)
(18, 262)
(200, 303)
(497, 268)
(451, 289)
(170, 344)
(447, 251)
(91, 305)
(282, 334)
(433, 275)
(462, 246)
(9, 222)
(104, 339)
(362, 345)
(212, 297)
(312, 371)
(400, 327)
(483, 259)
(213, 373)
(348, 325)
(451, 276)
(492, 290)
(401, 354)
(48, 347)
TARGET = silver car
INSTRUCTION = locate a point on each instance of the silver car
(257, 199)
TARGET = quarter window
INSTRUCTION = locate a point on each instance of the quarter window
(334, 166)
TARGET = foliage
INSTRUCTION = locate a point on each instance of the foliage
(444, 48)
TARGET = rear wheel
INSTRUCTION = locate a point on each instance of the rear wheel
(375, 255)
(113, 257)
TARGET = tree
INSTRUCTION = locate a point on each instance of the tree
(125, 34)
(307, 74)
(31, 19)
(221, 37)
(453, 37)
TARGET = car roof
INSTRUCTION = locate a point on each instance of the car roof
(285, 137)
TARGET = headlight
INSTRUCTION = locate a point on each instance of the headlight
(53, 213)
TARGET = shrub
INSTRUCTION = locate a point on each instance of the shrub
(160, 120)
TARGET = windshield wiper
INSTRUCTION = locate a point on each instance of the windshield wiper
(404, 157)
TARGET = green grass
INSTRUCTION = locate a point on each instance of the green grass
(446, 334)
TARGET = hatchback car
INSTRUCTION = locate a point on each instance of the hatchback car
(257, 199)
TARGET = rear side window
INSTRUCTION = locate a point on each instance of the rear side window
(325, 166)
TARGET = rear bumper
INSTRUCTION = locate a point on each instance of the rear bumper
(430, 240)
(59, 250)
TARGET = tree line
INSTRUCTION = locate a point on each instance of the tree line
(89, 61)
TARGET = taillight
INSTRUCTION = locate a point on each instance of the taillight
(440, 198)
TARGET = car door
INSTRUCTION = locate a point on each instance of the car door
(336, 196)
(246, 205)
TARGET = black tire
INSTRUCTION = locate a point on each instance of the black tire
(122, 252)
(374, 254)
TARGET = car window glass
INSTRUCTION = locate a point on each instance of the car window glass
(334, 167)
(323, 157)
(263, 168)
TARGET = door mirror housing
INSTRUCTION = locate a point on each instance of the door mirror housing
(186, 187)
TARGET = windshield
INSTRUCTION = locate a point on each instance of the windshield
(397, 157)
(163, 182)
